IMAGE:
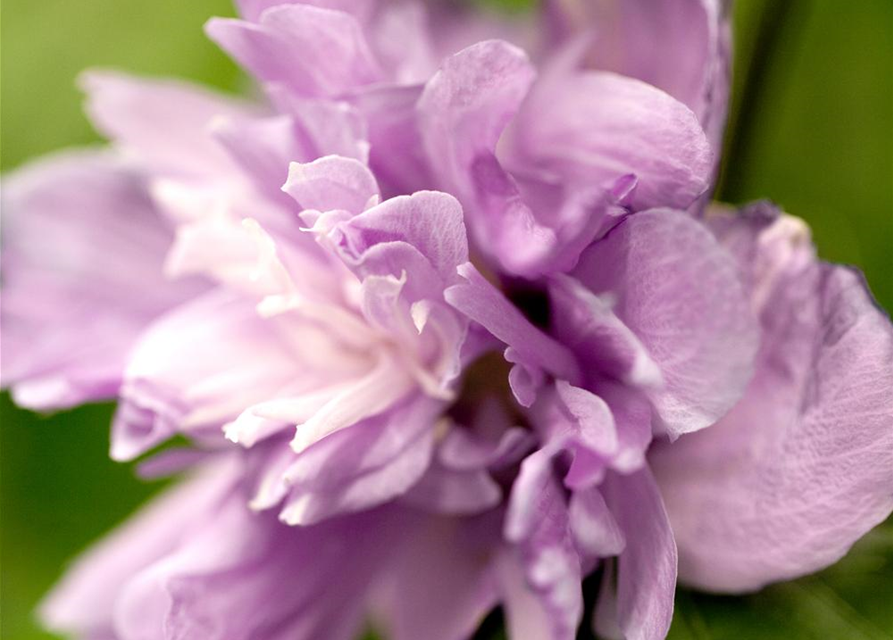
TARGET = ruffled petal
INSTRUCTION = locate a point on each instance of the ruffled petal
(596, 531)
(234, 579)
(679, 292)
(404, 252)
(448, 491)
(485, 304)
(386, 384)
(429, 221)
(646, 569)
(587, 324)
(692, 63)
(365, 465)
(163, 123)
(591, 422)
(197, 368)
(263, 148)
(594, 128)
(462, 113)
(327, 126)
(525, 616)
(466, 106)
(332, 182)
(463, 450)
(198, 564)
(82, 276)
(803, 466)
(537, 522)
(397, 155)
(253, 9)
(310, 50)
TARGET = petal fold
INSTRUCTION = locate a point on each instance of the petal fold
(82, 276)
(679, 291)
(802, 467)
(312, 51)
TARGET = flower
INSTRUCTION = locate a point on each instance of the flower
(448, 326)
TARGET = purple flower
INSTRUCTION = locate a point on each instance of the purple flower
(448, 326)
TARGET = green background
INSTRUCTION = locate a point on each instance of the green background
(814, 132)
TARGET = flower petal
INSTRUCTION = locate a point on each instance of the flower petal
(537, 522)
(524, 612)
(595, 530)
(692, 65)
(360, 467)
(252, 9)
(680, 293)
(483, 303)
(429, 221)
(448, 491)
(332, 182)
(803, 466)
(646, 569)
(458, 552)
(587, 324)
(82, 276)
(197, 368)
(164, 123)
(262, 148)
(462, 113)
(594, 128)
(384, 385)
(467, 104)
(233, 579)
(462, 450)
(396, 155)
(327, 127)
(310, 50)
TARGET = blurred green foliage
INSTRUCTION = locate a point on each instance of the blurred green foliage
(816, 136)
(821, 139)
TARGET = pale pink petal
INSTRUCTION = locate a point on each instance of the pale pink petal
(383, 386)
(692, 65)
(310, 50)
(263, 148)
(646, 569)
(525, 615)
(327, 127)
(450, 606)
(197, 368)
(448, 491)
(252, 9)
(679, 292)
(587, 323)
(332, 182)
(537, 522)
(396, 154)
(244, 563)
(802, 467)
(82, 277)
(163, 123)
(596, 531)
(594, 128)
(462, 113)
(429, 221)
(360, 467)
